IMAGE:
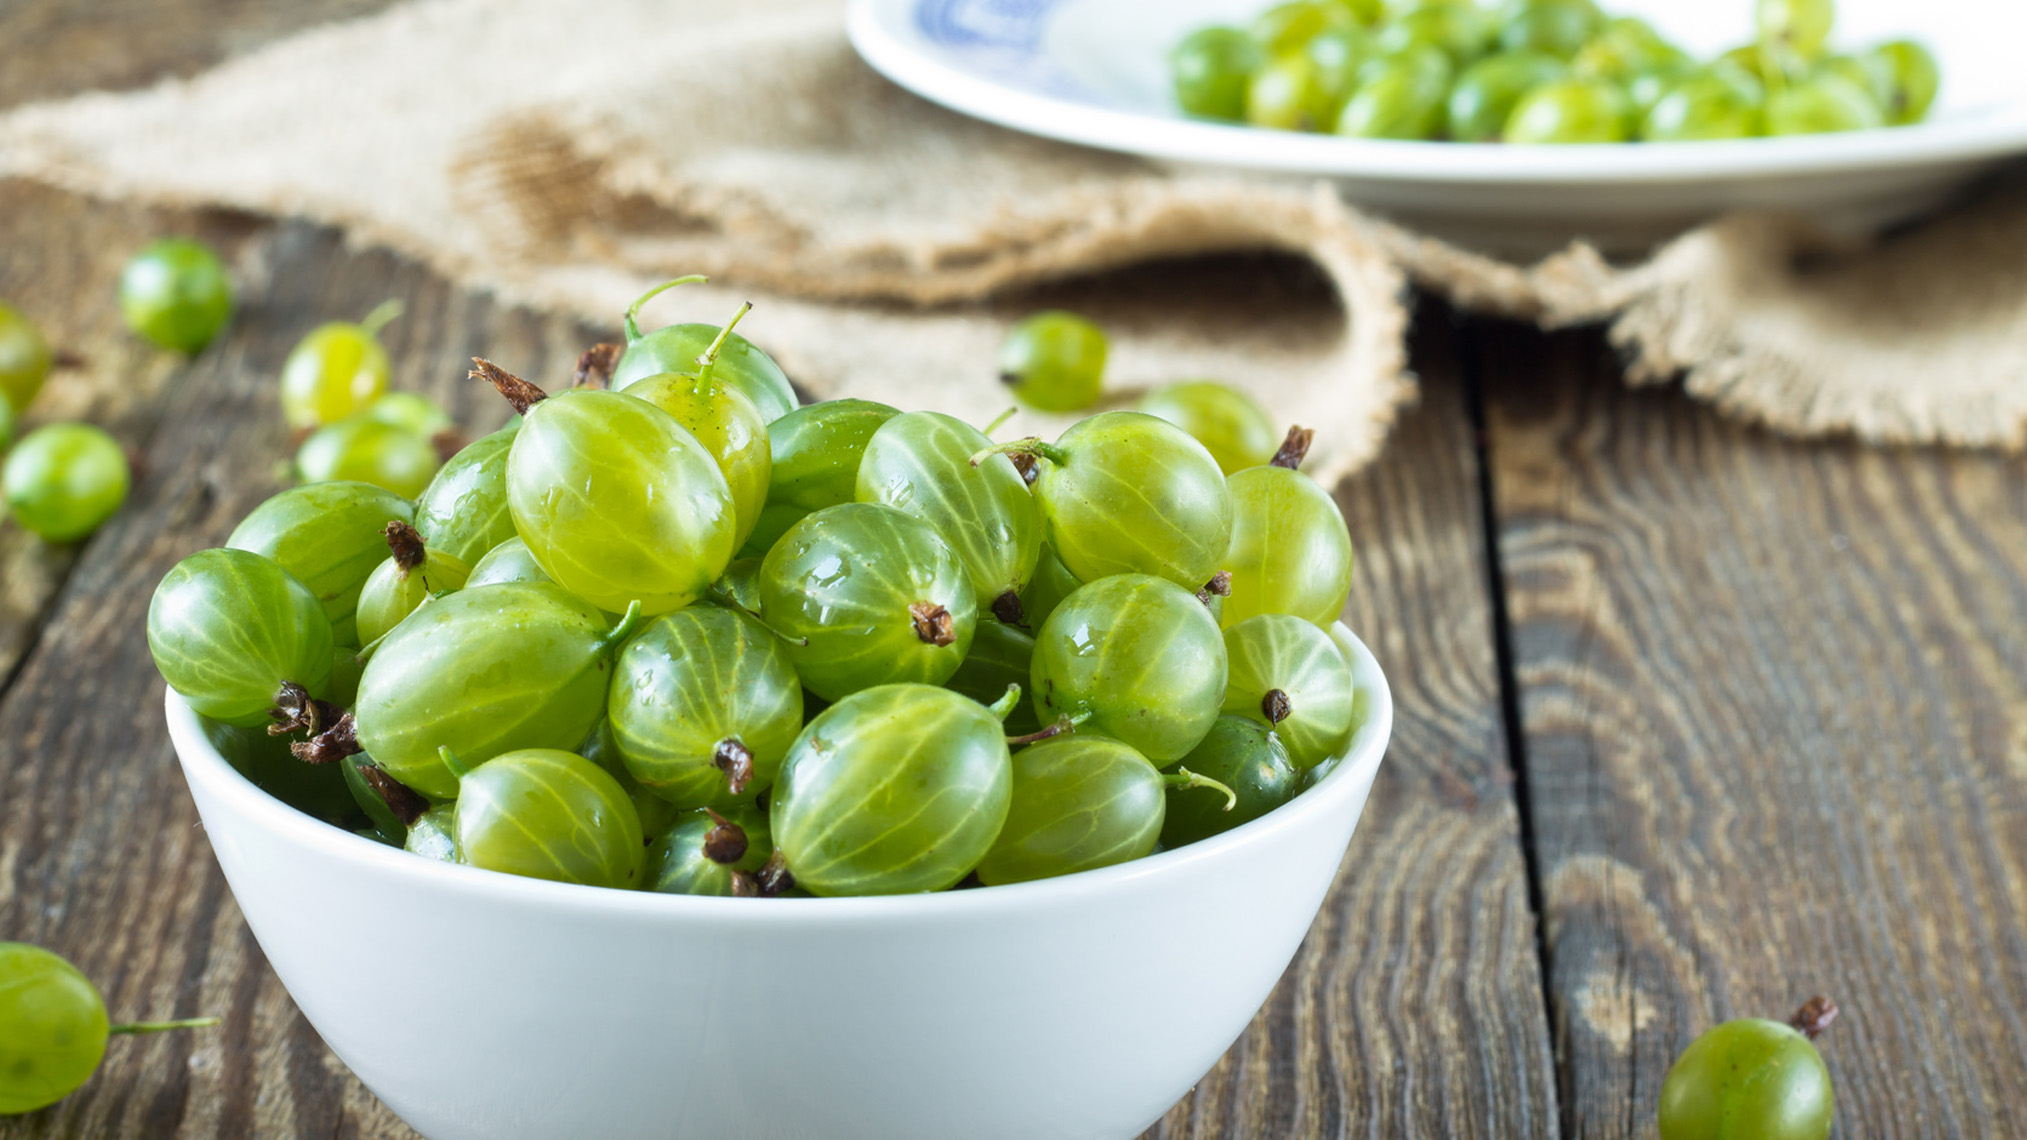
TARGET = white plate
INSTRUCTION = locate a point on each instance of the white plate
(1095, 72)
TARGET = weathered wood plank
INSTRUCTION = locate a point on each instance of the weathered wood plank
(1774, 699)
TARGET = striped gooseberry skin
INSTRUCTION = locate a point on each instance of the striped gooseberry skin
(920, 463)
(849, 588)
(330, 536)
(817, 449)
(1129, 493)
(507, 562)
(463, 512)
(618, 502)
(1244, 756)
(675, 348)
(391, 595)
(729, 427)
(229, 627)
(1079, 802)
(1281, 653)
(1291, 551)
(483, 671)
(548, 814)
(1137, 655)
(678, 865)
(690, 681)
(893, 790)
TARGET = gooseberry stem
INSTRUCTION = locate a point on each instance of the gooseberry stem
(1814, 1017)
(709, 360)
(450, 761)
(521, 394)
(633, 310)
(137, 1027)
(383, 314)
(1294, 448)
(626, 625)
(1184, 778)
(405, 802)
(999, 421)
(1004, 707)
(1063, 724)
(1031, 445)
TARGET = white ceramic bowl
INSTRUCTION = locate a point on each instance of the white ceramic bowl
(481, 1006)
(1095, 72)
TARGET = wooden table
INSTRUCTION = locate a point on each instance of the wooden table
(1694, 721)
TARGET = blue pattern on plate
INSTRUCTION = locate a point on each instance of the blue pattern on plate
(1000, 39)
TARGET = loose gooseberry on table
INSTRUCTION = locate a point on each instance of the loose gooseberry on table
(1054, 361)
(54, 1028)
(337, 370)
(63, 481)
(25, 360)
(1752, 1079)
(176, 294)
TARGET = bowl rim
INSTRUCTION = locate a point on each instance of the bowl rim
(1349, 772)
(884, 37)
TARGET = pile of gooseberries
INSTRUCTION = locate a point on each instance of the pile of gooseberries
(671, 630)
(1540, 71)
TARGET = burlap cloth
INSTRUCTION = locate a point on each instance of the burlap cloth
(567, 155)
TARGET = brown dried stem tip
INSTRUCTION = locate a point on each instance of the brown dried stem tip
(744, 886)
(295, 709)
(725, 843)
(405, 802)
(1007, 608)
(447, 443)
(406, 543)
(332, 744)
(1294, 448)
(1220, 586)
(733, 758)
(1814, 1017)
(774, 878)
(594, 368)
(1275, 707)
(933, 623)
(518, 392)
(1029, 467)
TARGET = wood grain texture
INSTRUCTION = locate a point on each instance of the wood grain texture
(1774, 699)
(1414, 1008)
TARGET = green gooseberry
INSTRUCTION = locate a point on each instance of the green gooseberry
(415, 412)
(346, 669)
(893, 790)
(53, 1028)
(63, 481)
(1704, 106)
(676, 348)
(774, 521)
(817, 449)
(1230, 424)
(1001, 655)
(433, 835)
(1752, 1079)
(1290, 676)
(1571, 111)
(738, 587)
(330, 536)
(1337, 54)
(1286, 27)
(1079, 802)
(463, 512)
(704, 704)
(710, 853)
(337, 371)
(1133, 657)
(1649, 87)
(1052, 582)
(1625, 47)
(1800, 26)
(657, 815)
(730, 428)
(1908, 78)
(1401, 95)
(6, 425)
(1129, 493)
(411, 576)
(1245, 774)
(1290, 551)
(485, 670)
(920, 464)
(175, 293)
(617, 501)
(1054, 361)
(1551, 27)
(235, 635)
(510, 561)
(316, 790)
(25, 360)
(1487, 92)
(390, 805)
(1823, 103)
(1458, 28)
(1288, 94)
(1363, 13)
(365, 450)
(864, 595)
(1210, 69)
(546, 814)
